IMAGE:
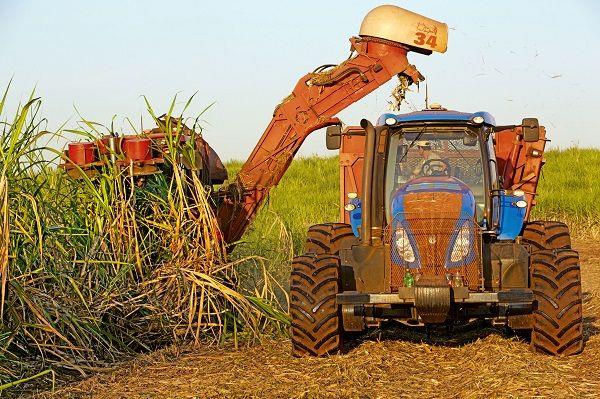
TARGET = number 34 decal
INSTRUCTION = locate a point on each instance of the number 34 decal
(423, 39)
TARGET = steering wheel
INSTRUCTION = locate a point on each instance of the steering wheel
(435, 167)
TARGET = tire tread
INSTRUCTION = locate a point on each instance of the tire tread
(558, 321)
(316, 320)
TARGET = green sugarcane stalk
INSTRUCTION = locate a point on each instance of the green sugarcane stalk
(24, 380)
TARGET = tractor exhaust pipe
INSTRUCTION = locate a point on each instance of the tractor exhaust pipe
(367, 181)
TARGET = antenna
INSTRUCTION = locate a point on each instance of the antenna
(426, 96)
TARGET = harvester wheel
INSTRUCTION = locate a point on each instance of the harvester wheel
(557, 319)
(547, 235)
(316, 320)
(327, 238)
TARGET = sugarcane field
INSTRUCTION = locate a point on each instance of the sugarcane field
(299, 200)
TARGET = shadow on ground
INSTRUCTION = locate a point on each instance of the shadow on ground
(456, 336)
(443, 336)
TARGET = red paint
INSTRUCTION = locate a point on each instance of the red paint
(352, 154)
(81, 153)
(104, 145)
(137, 149)
(517, 164)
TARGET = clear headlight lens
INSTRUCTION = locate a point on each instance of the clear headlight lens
(403, 246)
(521, 204)
(462, 244)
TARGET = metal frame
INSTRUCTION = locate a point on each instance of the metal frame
(460, 295)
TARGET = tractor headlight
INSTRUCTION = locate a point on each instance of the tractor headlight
(521, 204)
(403, 246)
(462, 244)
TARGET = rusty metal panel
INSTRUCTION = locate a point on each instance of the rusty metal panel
(519, 162)
(510, 265)
(433, 241)
(351, 164)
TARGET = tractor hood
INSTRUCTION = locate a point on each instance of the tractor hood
(433, 197)
(433, 232)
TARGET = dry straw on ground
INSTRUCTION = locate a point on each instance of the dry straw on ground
(476, 363)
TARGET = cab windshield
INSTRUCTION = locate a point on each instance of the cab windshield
(435, 151)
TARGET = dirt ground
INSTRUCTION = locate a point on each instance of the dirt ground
(476, 362)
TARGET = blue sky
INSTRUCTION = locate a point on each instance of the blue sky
(514, 59)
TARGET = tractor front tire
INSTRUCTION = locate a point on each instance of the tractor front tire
(557, 319)
(327, 238)
(316, 320)
(547, 235)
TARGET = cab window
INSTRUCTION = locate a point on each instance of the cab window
(435, 151)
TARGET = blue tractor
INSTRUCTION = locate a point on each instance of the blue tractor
(436, 232)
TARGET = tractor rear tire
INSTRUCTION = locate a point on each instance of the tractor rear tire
(547, 235)
(327, 238)
(557, 319)
(316, 318)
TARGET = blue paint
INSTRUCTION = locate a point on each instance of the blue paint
(511, 216)
(437, 116)
(434, 184)
(355, 215)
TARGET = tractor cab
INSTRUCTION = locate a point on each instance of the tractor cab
(437, 155)
(440, 151)
(436, 151)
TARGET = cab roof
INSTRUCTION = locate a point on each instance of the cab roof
(437, 116)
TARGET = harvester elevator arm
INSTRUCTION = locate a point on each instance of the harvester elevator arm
(387, 33)
(312, 105)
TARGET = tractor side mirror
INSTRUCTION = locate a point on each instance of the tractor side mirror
(531, 130)
(333, 137)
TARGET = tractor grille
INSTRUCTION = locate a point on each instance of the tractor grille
(435, 247)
